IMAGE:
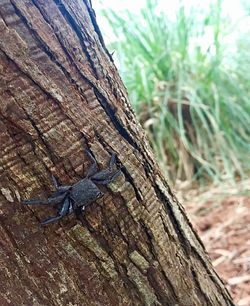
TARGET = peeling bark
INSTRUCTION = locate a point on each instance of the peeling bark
(60, 92)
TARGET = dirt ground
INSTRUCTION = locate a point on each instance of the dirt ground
(222, 218)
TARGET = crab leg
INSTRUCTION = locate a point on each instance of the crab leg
(64, 211)
(50, 201)
(93, 168)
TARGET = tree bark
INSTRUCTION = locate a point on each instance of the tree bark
(60, 92)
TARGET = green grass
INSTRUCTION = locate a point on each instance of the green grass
(192, 100)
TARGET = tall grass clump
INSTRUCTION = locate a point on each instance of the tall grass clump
(189, 85)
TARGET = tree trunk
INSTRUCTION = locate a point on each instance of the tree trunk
(60, 92)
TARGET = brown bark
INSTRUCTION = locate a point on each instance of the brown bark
(135, 246)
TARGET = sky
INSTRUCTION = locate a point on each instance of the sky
(230, 8)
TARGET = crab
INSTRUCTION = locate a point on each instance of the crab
(74, 198)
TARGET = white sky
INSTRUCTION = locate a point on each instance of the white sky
(230, 8)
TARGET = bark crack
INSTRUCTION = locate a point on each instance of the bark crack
(70, 20)
(114, 119)
(184, 241)
(96, 27)
(200, 292)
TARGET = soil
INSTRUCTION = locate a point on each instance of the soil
(222, 220)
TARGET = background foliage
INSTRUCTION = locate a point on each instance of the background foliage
(188, 80)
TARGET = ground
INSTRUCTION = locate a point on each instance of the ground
(221, 217)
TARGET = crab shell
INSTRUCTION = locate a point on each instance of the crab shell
(84, 193)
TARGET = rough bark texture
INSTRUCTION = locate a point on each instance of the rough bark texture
(60, 92)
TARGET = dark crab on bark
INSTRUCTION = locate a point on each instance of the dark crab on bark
(74, 198)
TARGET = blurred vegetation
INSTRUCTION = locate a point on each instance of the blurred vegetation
(189, 84)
